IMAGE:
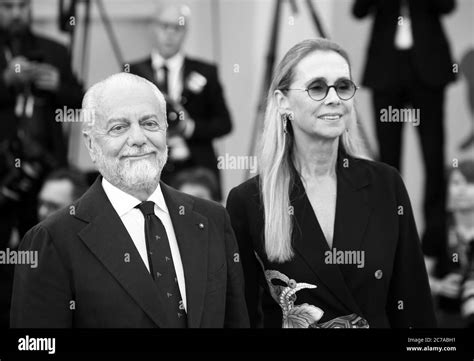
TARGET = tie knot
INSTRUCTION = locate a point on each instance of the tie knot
(147, 208)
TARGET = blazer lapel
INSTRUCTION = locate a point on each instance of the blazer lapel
(191, 229)
(352, 208)
(108, 239)
(351, 211)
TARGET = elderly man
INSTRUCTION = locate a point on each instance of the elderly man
(192, 90)
(132, 252)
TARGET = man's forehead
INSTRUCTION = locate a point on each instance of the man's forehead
(172, 14)
(129, 103)
(117, 93)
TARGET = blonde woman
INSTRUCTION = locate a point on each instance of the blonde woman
(327, 239)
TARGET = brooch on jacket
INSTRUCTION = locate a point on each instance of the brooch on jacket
(299, 316)
(304, 315)
(195, 82)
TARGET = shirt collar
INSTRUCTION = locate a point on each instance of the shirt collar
(175, 62)
(124, 202)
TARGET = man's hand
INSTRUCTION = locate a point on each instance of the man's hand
(19, 72)
(184, 124)
(47, 77)
(449, 286)
(178, 149)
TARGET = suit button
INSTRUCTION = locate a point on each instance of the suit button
(378, 274)
(184, 100)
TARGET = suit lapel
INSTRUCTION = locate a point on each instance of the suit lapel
(352, 208)
(193, 247)
(187, 69)
(145, 70)
(108, 239)
(352, 214)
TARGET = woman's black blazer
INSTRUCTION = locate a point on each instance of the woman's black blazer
(373, 215)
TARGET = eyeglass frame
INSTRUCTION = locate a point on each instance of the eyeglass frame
(164, 25)
(327, 91)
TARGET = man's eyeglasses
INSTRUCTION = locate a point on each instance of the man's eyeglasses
(171, 26)
(345, 89)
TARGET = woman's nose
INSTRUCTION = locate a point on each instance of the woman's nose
(332, 97)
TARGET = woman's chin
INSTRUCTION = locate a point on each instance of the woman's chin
(329, 134)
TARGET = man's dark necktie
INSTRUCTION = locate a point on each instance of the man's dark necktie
(164, 83)
(161, 265)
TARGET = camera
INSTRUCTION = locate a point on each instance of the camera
(174, 116)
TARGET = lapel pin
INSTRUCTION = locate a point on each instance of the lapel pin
(201, 226)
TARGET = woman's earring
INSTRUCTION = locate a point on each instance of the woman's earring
(285, 117)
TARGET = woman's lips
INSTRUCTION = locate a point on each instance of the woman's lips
(330, 116)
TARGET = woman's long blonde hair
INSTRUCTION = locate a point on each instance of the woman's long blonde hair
(275, 153)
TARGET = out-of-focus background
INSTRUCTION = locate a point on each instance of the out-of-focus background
(235, 35)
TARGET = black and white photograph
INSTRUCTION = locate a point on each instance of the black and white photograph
(247, 165)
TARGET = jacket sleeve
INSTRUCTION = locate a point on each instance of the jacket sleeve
(409, 302)
(7, 95)
(443, 6)
(42, 295)
(218, 121)
(236, 315)
(70, 92)
(252, 270)
(362, 8)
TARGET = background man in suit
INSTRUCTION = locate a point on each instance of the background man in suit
(35, 80)
(197, 111)
(60, 188)
(409, 64)
(132, 252)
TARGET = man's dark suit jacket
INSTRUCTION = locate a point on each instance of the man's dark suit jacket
(431, 53)
(391, 290)
(90, 273)
(206, 107)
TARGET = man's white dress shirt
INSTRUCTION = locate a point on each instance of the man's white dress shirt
(175, 73)
(134, 221)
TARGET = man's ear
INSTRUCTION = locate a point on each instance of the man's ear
(282, 102)
(88, 141)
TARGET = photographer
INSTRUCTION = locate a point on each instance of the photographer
(35, 80)
(452, 274)
(197, 112)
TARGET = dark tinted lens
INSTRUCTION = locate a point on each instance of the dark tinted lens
(318, 90)
(345, 89)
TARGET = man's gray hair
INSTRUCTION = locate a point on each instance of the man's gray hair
(183, 10)
(91, 103)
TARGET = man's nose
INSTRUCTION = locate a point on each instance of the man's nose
(136, 136)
